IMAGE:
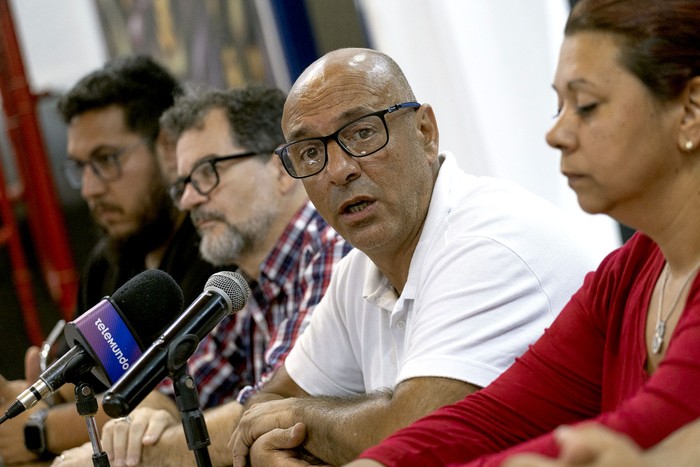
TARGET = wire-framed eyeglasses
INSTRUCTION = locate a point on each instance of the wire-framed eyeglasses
(359, 138)
(204, 177)
(105, 165)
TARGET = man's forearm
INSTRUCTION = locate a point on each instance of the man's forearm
(158, 401)
(679, 448)
(260, 397)
(339, 429)
(172, 448)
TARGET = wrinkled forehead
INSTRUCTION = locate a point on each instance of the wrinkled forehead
(326, 97)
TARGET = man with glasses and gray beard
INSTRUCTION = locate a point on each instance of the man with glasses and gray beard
(248, 211)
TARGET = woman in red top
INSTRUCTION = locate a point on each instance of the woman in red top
(625, 352)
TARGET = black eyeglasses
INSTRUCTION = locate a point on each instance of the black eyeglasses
(105, 166)
(359, 138)
(203, 176)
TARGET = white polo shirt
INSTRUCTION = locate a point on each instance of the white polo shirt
(493, 267)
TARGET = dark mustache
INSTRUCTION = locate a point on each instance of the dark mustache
(104, 206)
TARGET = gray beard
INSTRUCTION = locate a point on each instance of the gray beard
(236, 241)
(224, 249)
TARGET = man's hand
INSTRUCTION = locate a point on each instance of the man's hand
(76, 457)
(258, 420)
(32, 369)
(588, 445)
(123, 438)
(12, 447)
(279, 447)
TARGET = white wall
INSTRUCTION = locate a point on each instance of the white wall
(60, 40)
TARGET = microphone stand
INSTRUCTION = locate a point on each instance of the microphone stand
(187, 398)
(86, 403)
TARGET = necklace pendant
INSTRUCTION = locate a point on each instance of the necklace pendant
(658, 340)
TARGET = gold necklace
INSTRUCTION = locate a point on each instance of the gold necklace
(660, 330)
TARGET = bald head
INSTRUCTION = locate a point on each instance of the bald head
(364, 65)
(352, 74)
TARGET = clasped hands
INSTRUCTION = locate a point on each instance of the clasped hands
(269, 433)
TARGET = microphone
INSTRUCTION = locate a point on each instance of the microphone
(225, 293)
(110, 337)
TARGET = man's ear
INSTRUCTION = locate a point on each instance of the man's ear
(428, 129)
(165, 154)
(689, 135)
(284, 180)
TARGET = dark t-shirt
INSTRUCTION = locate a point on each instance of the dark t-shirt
(102, 275)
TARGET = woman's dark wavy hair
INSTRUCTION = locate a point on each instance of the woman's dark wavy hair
(659, 39)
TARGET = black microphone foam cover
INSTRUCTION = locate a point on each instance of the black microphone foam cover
(149, 301)
(116, 331)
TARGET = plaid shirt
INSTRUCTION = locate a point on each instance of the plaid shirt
(243, 350)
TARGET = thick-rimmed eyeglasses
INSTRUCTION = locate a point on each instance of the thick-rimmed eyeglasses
(105, 166)
(203, 176)
(359, 138)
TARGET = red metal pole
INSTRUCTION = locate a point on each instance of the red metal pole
(21, 275)
(44, 214)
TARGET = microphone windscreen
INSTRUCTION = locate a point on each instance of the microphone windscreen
(232, 286)
(149, 302)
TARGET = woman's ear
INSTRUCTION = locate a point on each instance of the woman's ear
(427, 126)
(689, 135)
